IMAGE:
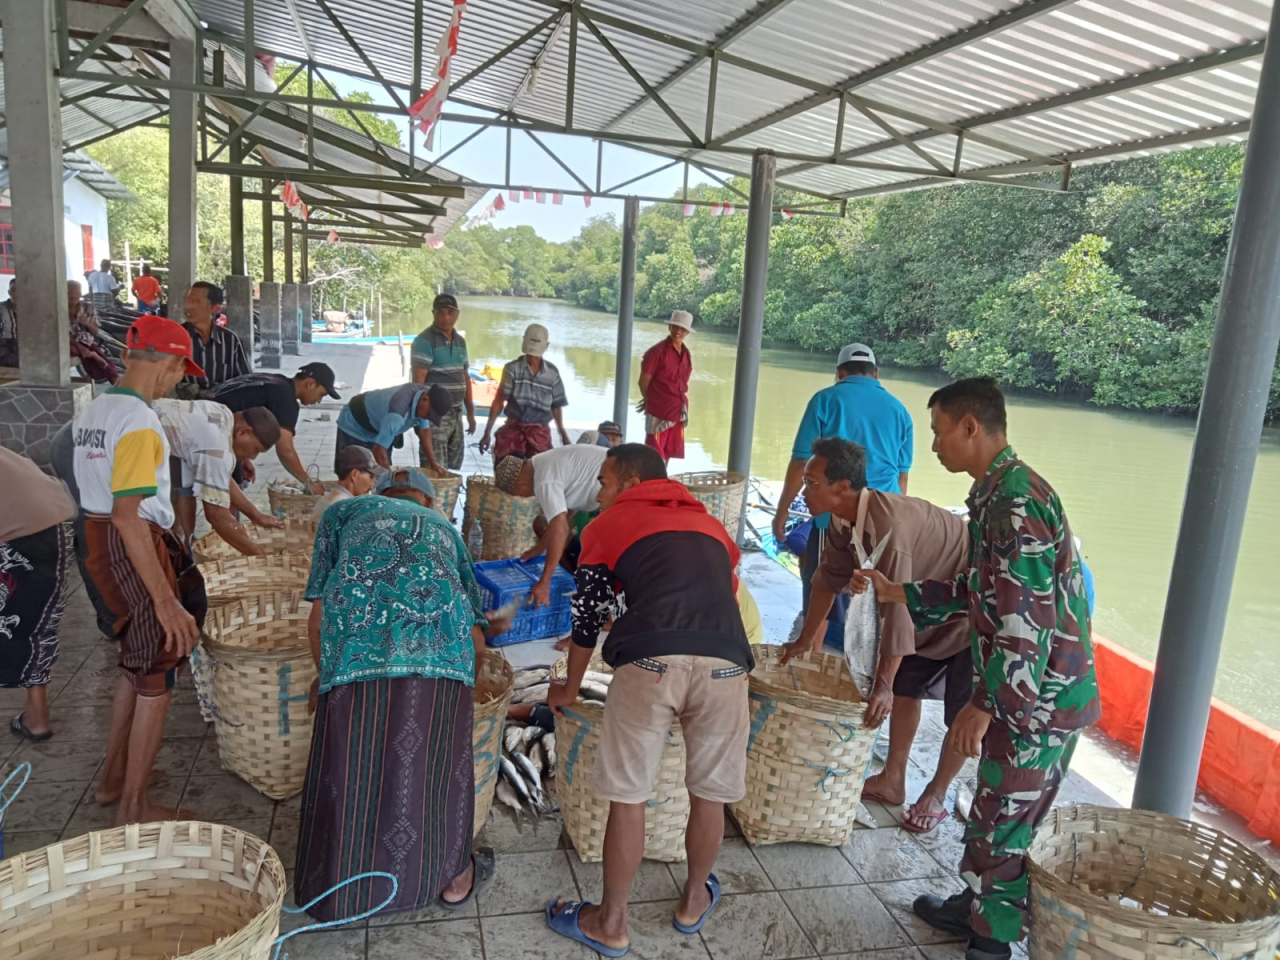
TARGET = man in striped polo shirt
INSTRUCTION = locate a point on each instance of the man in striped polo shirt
(439, 356)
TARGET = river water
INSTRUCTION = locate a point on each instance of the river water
(1121, 475)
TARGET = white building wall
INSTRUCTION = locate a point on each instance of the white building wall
(82, 206)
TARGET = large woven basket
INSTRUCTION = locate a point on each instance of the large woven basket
(507, 521)
(722, 492)
(290, 502)
(262, 670)
(232, 579)
(492, 696)
(296, 536)
(1138, 885)
(152, 891)
(585, 815)
(448, 486)
(808, 752)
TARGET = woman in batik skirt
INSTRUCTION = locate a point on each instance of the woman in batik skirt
(35, 544)
(397, 632)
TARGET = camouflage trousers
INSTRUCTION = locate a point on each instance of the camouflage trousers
(447, 440)
(1018, 779)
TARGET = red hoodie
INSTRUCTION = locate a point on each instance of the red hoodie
(674, 563)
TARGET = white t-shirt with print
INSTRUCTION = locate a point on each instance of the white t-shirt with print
(567, 478)
(199, 435)
(121, 451)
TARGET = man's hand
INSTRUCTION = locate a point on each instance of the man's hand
(248, 471)
(313, 697)
(800, 645)
(497, 625)
(429, 454)
(886, 592)
(180, 631)
(266, 521)
(534, 551)
(471, 424)
(640, 406)
(879, 705)
(967, 731)
(316, 487)
(484, 441)
(559, 696)
(564, 438)
(780, 528)
(540, 595)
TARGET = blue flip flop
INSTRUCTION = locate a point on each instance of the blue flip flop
(714, 886)
(565, 923)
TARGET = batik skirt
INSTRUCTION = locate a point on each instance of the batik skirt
(390, 787)
(33, 594)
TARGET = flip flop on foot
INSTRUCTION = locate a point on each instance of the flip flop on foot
(565, 923)
(917, 820)
(19, 726)
(714, 886)
(482, 861)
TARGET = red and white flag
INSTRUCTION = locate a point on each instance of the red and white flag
(787, 214)
(434, 243)
(499, 203)
(333, 236)
(513, 196)
(716, 209)
(292, 201)
(427, 109)
(528, 194)
(586, 199)
(557, 198)
(727, 210)
(689, 209)
(540, 196)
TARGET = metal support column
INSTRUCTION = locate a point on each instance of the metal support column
(288, 249)
(290, 325)
(34, 119)
(626, 312)
(239, 293)
(268, 235)
(184, 67)
(1222, 460)
(304, 310)
(755, 278)
(304, 248)
(237, 213)
(269, 325)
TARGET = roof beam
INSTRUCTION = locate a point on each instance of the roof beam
(531, 75)
(93, 18)
(107, 32)
(359, 52)
(350, 181)
(514, 45)
(435, 210)
(298, 26)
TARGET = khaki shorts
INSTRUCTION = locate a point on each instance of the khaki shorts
(708, 697)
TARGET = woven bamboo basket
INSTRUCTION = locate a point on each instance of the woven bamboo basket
(448, 486)
(507, 521)
(808, 752)
(152, 891)
(296, 536)
(289, 501)
(492, 696)
(722, 492)
(1137, 885)
(232, 579)
(585, 815)
(262, 670)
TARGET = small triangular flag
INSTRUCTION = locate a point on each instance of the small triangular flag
(540, 197)
(528, 194)
(586, 199)
(499, 203)
(787, 214)
(688, 209)
(513, 196)
(557, 198)
(333, 236)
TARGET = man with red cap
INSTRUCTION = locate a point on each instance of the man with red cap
(143, 574)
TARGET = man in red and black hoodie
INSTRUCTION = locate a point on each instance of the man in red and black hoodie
(679, 651)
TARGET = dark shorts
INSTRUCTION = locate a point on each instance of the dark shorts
(950, 681)
(343, 440)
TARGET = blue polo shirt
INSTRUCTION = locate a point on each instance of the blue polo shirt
(391, 410)
(862, 410)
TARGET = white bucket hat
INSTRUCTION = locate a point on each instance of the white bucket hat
(682, 319)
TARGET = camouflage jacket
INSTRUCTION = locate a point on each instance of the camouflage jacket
(1024, 597)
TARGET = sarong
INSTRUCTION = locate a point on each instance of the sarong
(515, 438)
(33, 595)
(390, 787)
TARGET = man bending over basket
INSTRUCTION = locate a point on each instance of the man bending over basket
(1034, 689)
(679, 652)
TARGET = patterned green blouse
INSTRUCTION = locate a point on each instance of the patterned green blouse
(399, 593)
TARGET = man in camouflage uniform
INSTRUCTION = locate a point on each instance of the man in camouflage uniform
(1034, 685)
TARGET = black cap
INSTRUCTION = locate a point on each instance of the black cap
(441, 403)
(322, 374)
(444, 300)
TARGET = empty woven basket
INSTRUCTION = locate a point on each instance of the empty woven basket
(722, 492)
(231, 579)
(154, 891)
(296, 536)
(507, 521)
(492, 696)
(1137, 885)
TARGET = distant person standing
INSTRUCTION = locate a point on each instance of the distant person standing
(146, 290)
(439, 356)
(856, 408)
(216, 349)
(103, 286)
(664, 388)
(534, 394)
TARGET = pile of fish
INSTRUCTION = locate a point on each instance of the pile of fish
(531, 686)
(528, 762)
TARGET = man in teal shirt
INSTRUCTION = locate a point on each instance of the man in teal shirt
(378, 419)
(439, 357)
(858, 408)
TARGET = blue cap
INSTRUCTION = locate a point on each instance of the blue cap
(406, 477)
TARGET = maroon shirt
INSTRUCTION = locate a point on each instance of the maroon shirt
(669, 388)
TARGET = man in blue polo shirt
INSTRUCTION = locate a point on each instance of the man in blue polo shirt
(856, 408)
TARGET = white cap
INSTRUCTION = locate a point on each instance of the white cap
(859, 352)
(682, 319)
(535, 340)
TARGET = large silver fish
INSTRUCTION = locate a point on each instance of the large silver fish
(862, 624)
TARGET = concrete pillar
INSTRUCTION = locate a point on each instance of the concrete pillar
(305, 310)
(34, 133)
(269, 324)
(626, 313)
(755, 277)
(183, 251)
(1229, 429)
(239, 291)
(290, 322)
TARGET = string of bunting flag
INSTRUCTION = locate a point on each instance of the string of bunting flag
(426, 110)
(293, 201)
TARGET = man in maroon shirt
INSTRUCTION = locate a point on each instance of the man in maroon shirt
(664, 388)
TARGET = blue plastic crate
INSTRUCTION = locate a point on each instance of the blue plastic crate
(502, 581)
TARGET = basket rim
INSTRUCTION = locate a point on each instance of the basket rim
(799, 698)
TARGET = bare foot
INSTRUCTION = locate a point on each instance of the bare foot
(588, 923)
(152, 814)
(107, 794)
(879, 788)
(693, 904)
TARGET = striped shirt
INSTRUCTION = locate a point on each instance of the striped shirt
(532, 396)
(444, 360)
(222, 358)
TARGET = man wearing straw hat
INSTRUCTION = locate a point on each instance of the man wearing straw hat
(1034, 687)
(664, 388)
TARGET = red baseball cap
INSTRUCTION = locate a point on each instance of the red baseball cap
(160, 335)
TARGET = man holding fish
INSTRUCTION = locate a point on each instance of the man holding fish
(912, 540)
(1035, 690)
